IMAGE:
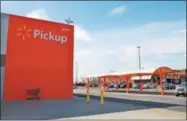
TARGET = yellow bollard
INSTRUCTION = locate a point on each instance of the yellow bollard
(88, 96)
(102, 95)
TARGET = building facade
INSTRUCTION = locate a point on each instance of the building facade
(36, 57)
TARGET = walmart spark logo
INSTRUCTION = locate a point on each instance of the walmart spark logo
(24, 32)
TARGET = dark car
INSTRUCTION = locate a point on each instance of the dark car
(149, 86)
(169, 86)
(96, 85)
(74, 87)
(130, 85)
(181, 90)
(80, 84)
(93, 85)
(111, 85)
(122, 85)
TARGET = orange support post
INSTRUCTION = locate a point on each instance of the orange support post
(161, 83)
(101, 82)
(107, 86)
(88, 83)
(125, 82)
(104, 85)
(127, 89)
(117, 86)
(141, 87)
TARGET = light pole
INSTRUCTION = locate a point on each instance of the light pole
(76, 72)
(68, 21)
(139, 56)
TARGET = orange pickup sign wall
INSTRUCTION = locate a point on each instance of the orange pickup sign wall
(39, 55)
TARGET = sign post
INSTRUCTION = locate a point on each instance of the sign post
(161, 83)
(128, 80)
(141, 87)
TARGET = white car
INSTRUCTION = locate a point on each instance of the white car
(146, 86)
(181, 90)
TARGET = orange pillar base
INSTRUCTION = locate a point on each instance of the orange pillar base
(162, 93)
(127, 93)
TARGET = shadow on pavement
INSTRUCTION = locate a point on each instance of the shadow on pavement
(53, 109)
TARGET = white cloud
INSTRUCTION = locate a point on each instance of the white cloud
(82, 34)
(181, 31)
(119, 10)
(116, 48)
(38, 14)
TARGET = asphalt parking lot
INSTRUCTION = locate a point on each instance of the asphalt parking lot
(167, 99)
(77, 107)
(116, 106)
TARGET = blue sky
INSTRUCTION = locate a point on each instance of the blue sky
(87, 12)
(107, 33)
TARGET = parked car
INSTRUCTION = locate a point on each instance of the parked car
(96, 85)
(123, 85)
(80, 84)
(146, 86)
(181, 90)
(115, 85)
(151, 85)
(112, 85)
(130, 85)
(136, 85)
(93, 85)
(74, 87)
(118, 84)
(169, 86)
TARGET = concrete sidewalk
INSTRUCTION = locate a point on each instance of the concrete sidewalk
(154, 113)
(145, 91)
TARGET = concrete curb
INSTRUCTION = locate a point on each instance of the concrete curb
(147, 92)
